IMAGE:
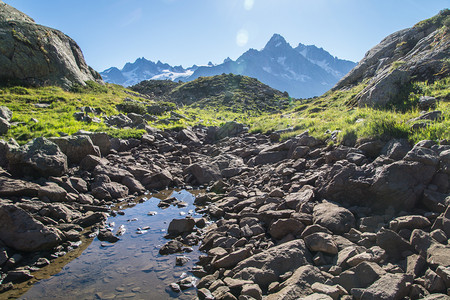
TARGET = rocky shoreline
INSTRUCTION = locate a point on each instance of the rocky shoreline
(294, 219)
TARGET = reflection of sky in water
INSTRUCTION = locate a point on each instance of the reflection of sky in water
(130, 268)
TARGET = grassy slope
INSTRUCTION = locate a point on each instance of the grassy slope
(320, 115)
(58, 118)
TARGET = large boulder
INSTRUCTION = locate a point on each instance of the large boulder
(39, 157)
(39, 55)
(5, 117)
(266, 267)
(401, 183)
(334, 217)
(18, 188)
(21, 232)
(99, 139)
(76, 147)
(230, 129)
(299, 284)
(203, 172)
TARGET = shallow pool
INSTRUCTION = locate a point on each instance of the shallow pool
(132, 268)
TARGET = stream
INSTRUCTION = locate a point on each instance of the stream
(131, 268)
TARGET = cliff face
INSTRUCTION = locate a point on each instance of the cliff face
(38, 55)
(414, 54)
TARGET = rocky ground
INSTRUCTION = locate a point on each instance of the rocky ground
(294, 219)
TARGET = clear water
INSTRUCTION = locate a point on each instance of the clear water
(132, 268)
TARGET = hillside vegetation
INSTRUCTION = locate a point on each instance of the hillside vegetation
(328, 117)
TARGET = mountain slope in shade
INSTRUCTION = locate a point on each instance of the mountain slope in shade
(304, 71)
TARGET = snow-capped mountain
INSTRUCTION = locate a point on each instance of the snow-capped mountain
(143, 69)
(304, 71)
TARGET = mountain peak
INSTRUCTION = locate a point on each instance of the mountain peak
(276, 41)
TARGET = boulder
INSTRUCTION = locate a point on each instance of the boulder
(410, 222)
(401, 183)
(21, 232)
(4, 126)
(187, 136)
(115, 173)
(18, 188)
(427, 102)
(266, 267)
(76, 147)
(52, 192)
(282, 227)
(389, 286)
(91, 161)
(5, 113)
(171, 247)
(395, 246)
(99, 139)
(40, 157)
(229, 129)
(322, 242)
(110, 190)
(203, 172)
(336, 218)
(133, 185)
(300, 284)
(179, 226)
(232, 259)
(352, 278)
(39, 55)
(158, 180)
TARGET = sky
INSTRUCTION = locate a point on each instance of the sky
(186, 32)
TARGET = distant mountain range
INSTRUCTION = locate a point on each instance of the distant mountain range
(303, 71)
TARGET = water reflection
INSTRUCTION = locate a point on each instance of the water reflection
(130, 268)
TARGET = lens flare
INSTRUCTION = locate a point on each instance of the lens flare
(248, 4)
(242, 38)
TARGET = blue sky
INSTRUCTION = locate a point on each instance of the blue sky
(187, 32)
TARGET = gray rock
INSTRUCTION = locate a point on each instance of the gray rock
(232, 259)
(179, 226)
(5, 113)
(35, 54)
(76, 147)
(158, 180)
(18, 188)
(299, 285)
(396, 149)
(336, 218)
(171, 247)
(352, 277)
(115, 173)
(389, 286)
(107, 236)
(188, 136)
(91, 218)
(322, 242)
(40, 157)
(394, 244)
(409, 222)
(266, 267)
(21, 232)
(204, 172)
(4, 126)
(401, 183)
(230, 129)
(433, 282)
(52, 192)
(133, 185)
(280, 228)
(427, 102)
